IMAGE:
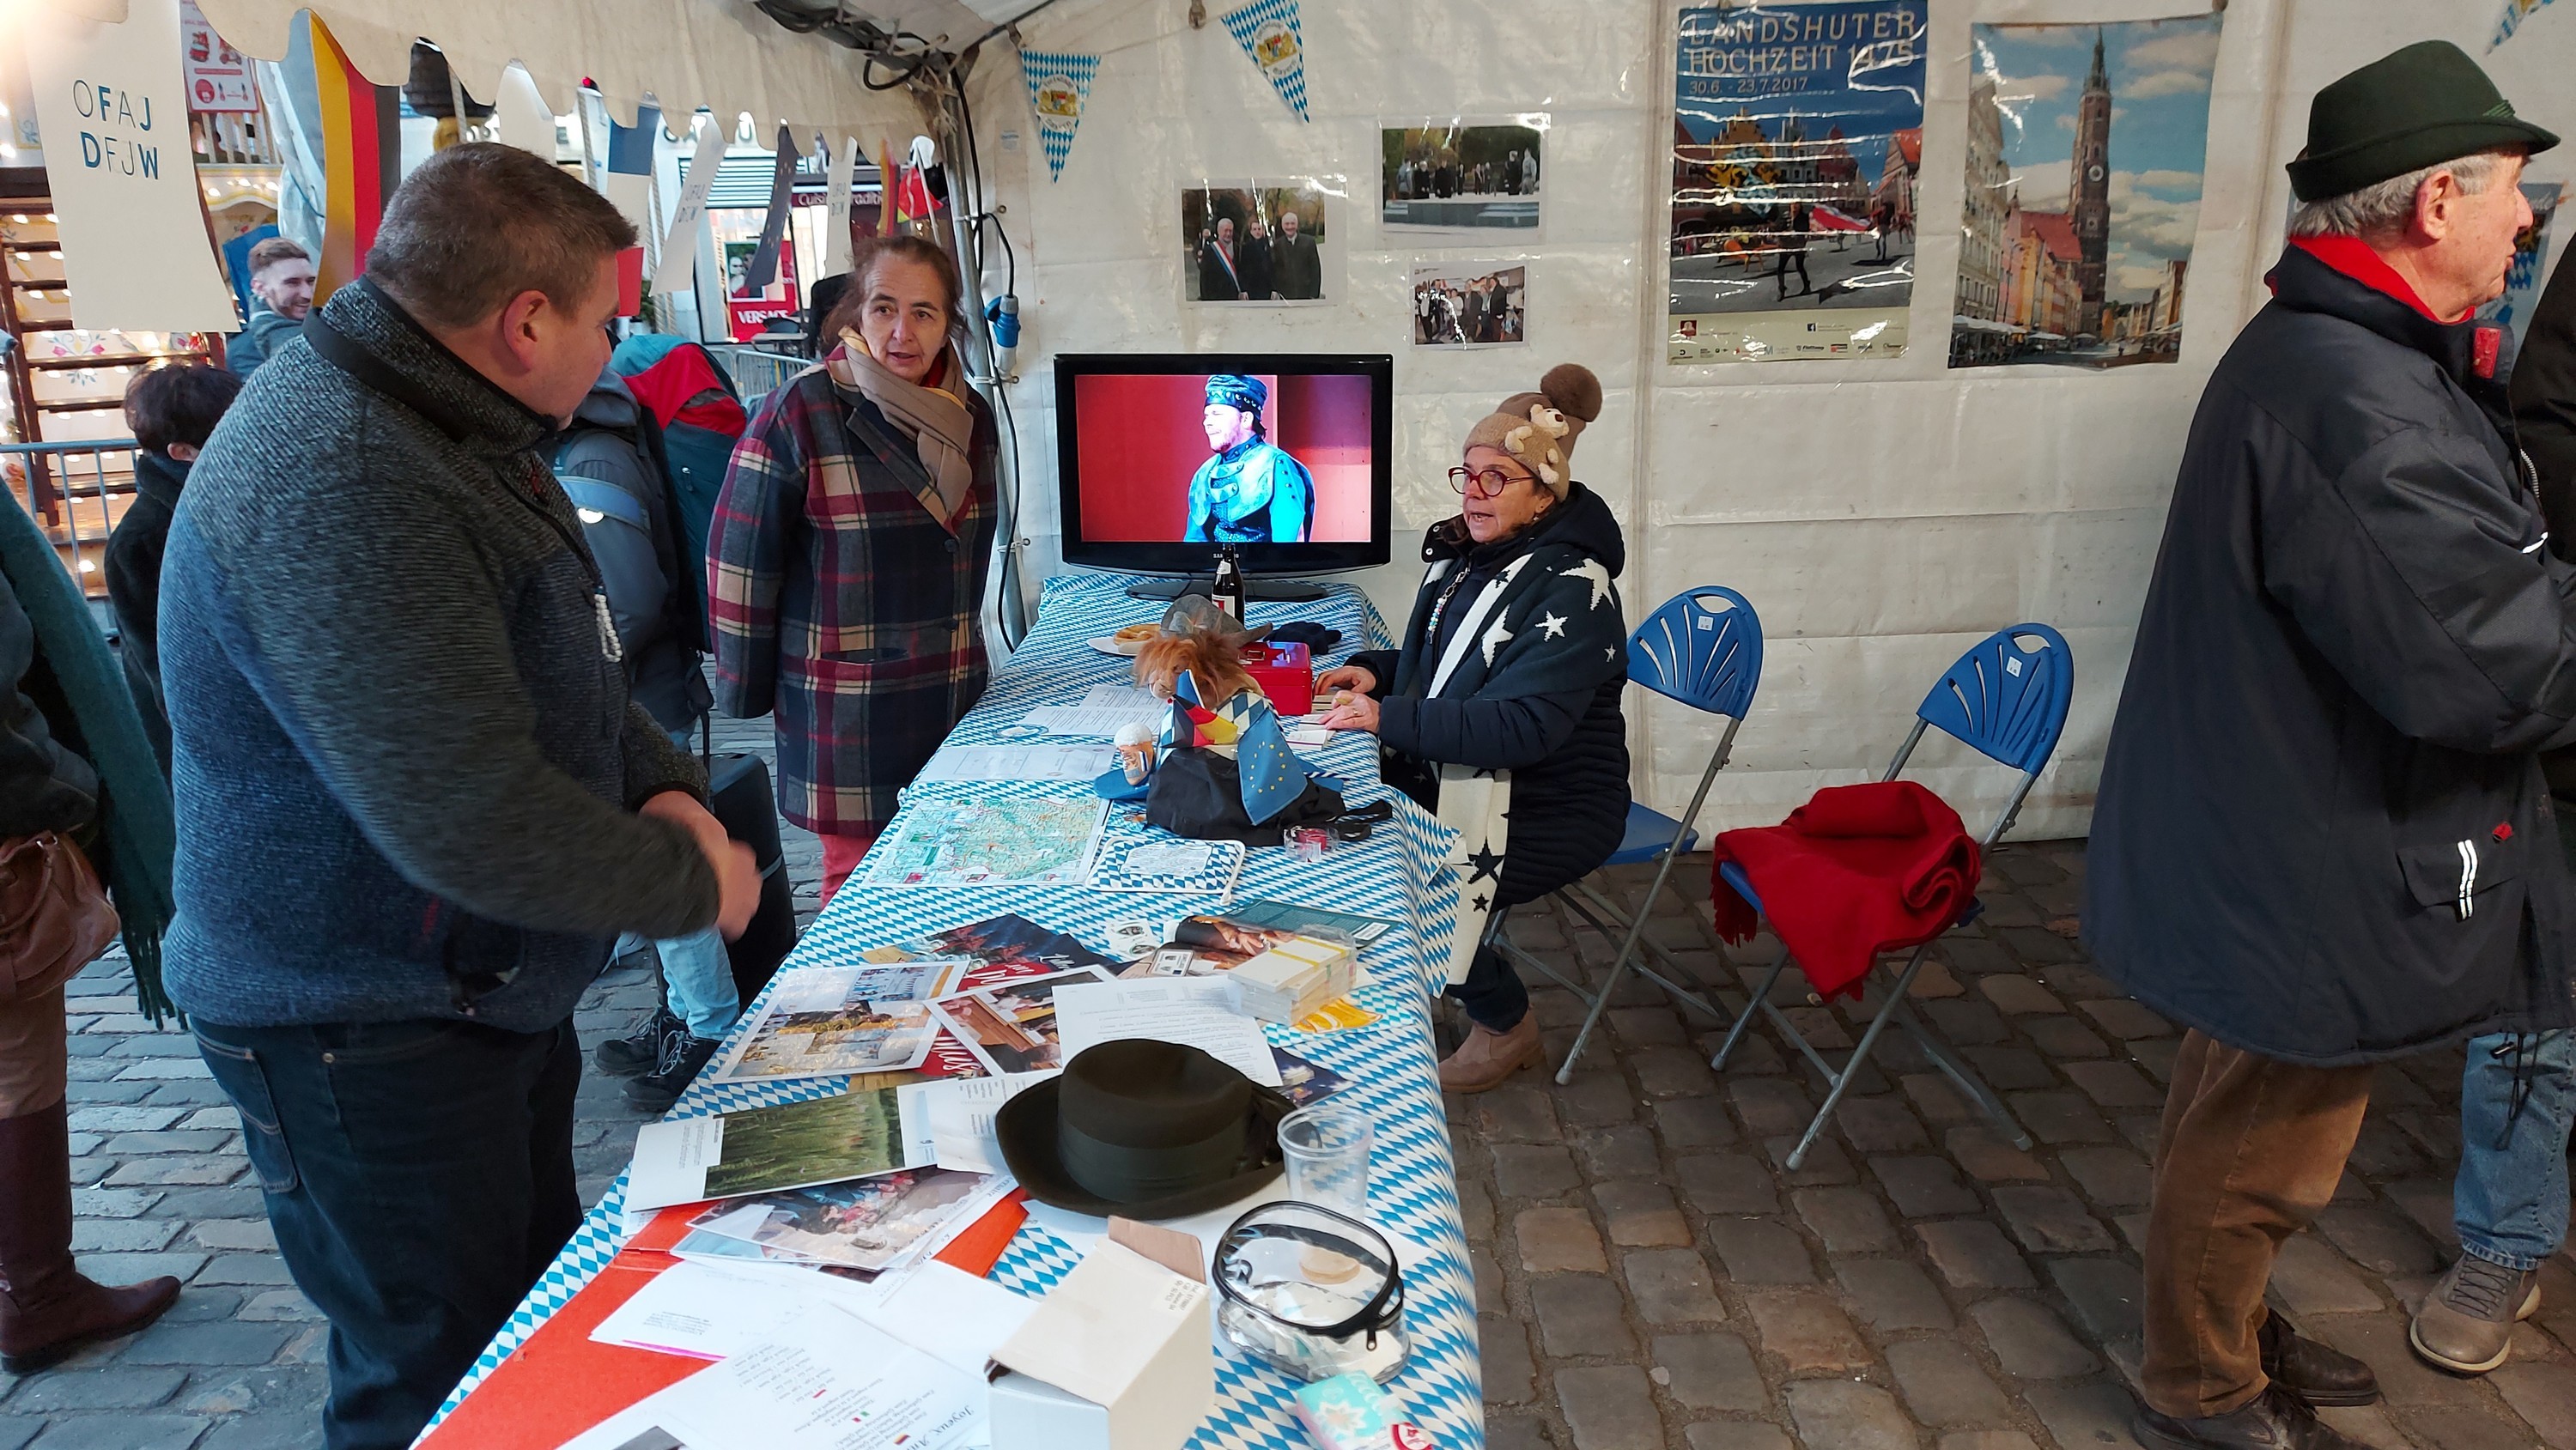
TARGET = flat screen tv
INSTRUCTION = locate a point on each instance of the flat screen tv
(1162, 458)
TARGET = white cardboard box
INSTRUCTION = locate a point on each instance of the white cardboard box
(1118, 1356)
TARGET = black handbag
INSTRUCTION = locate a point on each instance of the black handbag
(1198, 793)
(739, 795)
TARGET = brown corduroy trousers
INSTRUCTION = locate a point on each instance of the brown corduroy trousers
(2250, 1149)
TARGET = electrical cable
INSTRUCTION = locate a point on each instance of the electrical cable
(969, 193)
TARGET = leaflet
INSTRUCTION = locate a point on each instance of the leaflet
(1195, 1011)
(821, 1381)
(957, 1114)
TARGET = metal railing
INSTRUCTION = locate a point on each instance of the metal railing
(65, 488)
(756, 373)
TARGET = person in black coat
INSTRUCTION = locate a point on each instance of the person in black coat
(1512, 663)
(1218, 279)
(172, 411)
(1252, 264)
(2322, 838)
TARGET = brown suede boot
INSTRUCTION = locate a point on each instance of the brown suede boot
(47, 1308)
(1487, 1058)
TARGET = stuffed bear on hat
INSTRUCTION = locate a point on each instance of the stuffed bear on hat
(1539, 428)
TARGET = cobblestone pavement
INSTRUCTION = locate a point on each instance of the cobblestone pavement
(162, 1187)
(1647, 1275)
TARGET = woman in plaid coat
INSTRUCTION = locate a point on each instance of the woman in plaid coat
(847, 561)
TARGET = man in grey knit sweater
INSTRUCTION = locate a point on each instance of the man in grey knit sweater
(415, 803)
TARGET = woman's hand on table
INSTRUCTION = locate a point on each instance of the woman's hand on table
(1355, 712)
(1359, 679)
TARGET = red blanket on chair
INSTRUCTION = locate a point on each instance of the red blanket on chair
(1857, 870)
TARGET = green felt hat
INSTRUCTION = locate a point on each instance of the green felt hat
(2412, 108)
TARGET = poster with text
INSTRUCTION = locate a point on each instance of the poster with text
(1797, 139)
(2085, 145)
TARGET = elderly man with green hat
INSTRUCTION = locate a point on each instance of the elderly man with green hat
(2323, 839)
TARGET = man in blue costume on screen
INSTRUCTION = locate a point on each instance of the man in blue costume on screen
(1251, 492)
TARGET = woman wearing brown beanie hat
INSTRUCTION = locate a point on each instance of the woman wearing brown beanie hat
(1501, 710)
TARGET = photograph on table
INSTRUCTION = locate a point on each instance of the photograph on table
(1011, 1027)
(855, 1134)
(1225, 458)
(999, 947)
(1260, 242)
(835, 1021)
(1797, 140)
(1460, 180)
(1470, 304)
(872, 1224)
(2085, 150)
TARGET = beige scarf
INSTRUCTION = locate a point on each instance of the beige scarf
(941, 426)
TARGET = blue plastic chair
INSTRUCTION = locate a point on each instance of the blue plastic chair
(1702, 647)
(2007, 699)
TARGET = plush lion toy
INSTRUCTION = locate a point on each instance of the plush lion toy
(1214, 659)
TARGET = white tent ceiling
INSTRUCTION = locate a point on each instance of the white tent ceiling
(722, 54)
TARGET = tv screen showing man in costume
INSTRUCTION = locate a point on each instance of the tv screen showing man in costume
(1224, 458)
(1249, 491)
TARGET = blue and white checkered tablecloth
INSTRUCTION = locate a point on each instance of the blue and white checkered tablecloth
(1397, 875)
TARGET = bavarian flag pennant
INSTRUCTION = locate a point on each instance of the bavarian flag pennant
(1059, 85)
(1268, 32)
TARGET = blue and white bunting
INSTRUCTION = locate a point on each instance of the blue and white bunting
(1269, 33)
(1059, 87)
(2515, 12)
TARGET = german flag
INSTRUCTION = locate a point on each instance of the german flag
(361, 159)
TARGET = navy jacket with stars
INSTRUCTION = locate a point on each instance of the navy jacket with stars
(1535, 692)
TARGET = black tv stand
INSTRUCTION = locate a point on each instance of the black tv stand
(1256, 589)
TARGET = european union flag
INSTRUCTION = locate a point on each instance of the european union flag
(1273, 776)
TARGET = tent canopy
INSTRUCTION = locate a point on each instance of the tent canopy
(722, 54)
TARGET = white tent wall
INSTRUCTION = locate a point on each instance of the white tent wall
(1880, 515)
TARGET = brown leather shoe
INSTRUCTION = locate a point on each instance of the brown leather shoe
(47, 1307)
(1488, 1057)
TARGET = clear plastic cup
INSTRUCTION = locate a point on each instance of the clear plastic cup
(1327, 1148)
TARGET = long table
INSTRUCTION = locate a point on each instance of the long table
(1396, 874)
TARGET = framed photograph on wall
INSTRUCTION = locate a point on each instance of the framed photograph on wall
(1461, 181)
(1471, 304)
(1258, 243)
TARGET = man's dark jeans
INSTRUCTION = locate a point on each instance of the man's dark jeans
(419, 1177)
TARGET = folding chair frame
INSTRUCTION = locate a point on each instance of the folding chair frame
(1894, 1009)
(1594, 907)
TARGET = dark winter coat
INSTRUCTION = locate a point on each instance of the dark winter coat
(1252, 262)
(405, 760)
(2544, 405)
(610, 464)
(133, 569)
(1296, 267)
(1219, 279)
(257, 342)
(1566, 744)
(2322, 834)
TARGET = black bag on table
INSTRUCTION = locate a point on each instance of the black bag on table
(738, 793)
(1198, 793)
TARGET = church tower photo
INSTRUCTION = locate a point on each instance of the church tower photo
(2088, 196)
